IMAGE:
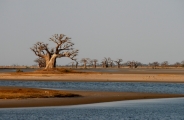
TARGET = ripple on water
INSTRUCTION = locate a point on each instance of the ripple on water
(161, 109)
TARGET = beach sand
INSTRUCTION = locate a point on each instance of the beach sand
(97, 77)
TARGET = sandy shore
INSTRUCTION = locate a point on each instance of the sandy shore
(97, 77)
(87, 98)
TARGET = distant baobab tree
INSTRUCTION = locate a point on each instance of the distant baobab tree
(133, 64)
(90, 62)
(63, 48)
(136, 64)
(110, 61)
(118, 62)
(103, 64)
(85, 61)
(106, 62)
(164, 64)
(94, 62)
(76, 63)
(73, 64)
(41, 62)
(177, 64)
(182, 63)
(154, 65)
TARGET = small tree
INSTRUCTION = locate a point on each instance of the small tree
(90, 62)
(103, 64)
(76, 63)
(154, 65)
(182, 63)
(95, 62)
(164, 64)
(106, 62)
(73, 64)
(110, 61)
(133, 64)
(85, 62)
(177, 64)
(118, 61)
(41, 62)
(136, 64)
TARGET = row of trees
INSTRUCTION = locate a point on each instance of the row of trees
(64, 48)
(109, 63)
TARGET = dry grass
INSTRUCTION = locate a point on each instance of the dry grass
(56, 71)
(23, 93)
(49, 71)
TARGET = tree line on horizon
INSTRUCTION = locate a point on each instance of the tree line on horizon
(109, 63)
(64, 48)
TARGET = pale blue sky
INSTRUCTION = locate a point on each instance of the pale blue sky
(141, 30)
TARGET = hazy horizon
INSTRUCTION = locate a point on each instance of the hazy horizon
(140, 30)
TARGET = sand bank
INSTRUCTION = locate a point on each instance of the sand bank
(97, 77)
(86, 97)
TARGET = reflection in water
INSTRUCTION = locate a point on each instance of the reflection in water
(168, 109)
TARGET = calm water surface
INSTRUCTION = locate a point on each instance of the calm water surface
(158, 109)
(102, 86)
(153, 109)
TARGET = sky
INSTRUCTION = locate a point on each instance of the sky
(140, 30)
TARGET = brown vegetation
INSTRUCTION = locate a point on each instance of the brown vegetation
(23, 93)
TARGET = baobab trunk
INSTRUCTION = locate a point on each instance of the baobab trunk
(51, 62)
(85, 65)
(95, 65)
(76, 65)
(47, 59)
(119, 65)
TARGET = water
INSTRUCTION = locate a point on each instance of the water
(158, 109)
(153, 109)
(177, 88)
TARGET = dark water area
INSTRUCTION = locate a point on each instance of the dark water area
(151, 109)
(174, 88)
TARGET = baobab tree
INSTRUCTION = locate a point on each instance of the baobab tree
(90, 62)
(133, 64)
(110, 61)
(41, 62)
(136, 64)
(177, 64)
(63, 48)
(105, 62)
(73, 64)
(154, 65)
(95, 62)
(76, 63)
(85, 61)
(118, 61)
(182, 63)
(164, 64)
